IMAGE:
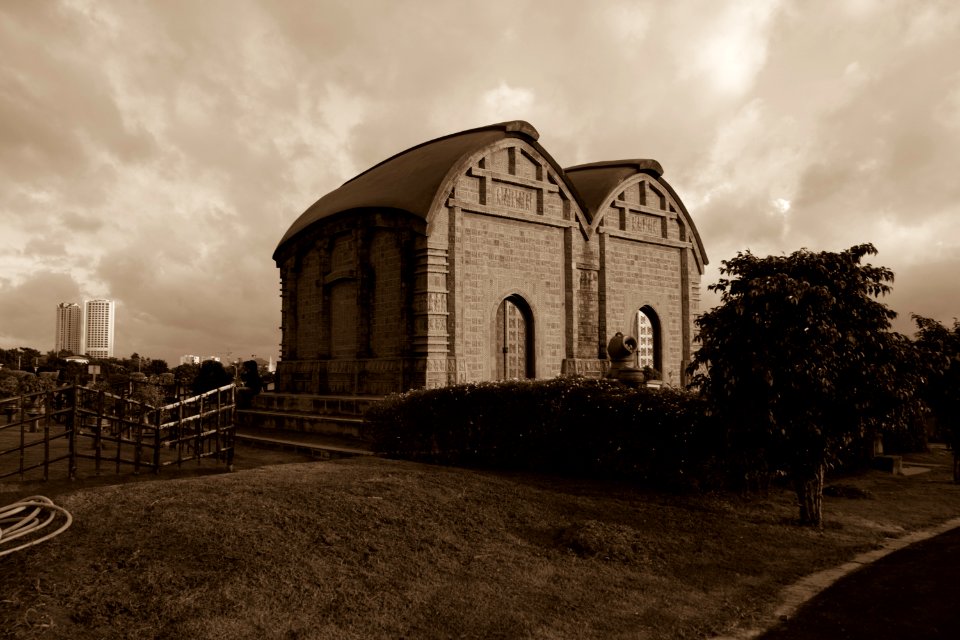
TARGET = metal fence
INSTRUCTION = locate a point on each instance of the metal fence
(87, 431)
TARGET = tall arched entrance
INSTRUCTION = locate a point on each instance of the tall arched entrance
(647, 326)
(514, 332)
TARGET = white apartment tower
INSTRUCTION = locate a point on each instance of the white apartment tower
(69, 328)
(98, 328)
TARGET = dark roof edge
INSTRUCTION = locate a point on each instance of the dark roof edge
(693, 225)
(652, 167)
(644, 165)
(520, 128)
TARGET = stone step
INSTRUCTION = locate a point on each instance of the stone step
(279, 421)
(295, 442)
(300, 403)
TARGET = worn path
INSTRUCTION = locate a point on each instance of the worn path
(911, 593)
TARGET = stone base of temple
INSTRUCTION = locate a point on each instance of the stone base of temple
(331, 415)
(586, 367)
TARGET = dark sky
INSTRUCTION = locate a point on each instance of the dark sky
(156, 152)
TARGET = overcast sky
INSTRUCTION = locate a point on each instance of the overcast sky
(156, 152)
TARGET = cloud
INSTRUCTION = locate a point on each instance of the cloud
(729, 50)
(156, 152)
(507, 103)
(29, 309)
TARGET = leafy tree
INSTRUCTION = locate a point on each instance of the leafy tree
(157, 367)
(9, 385)
(22, 358)
(939, 350)
(211, 375)
(799, 363)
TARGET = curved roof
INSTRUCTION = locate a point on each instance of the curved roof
(598, 182)
(410, 179)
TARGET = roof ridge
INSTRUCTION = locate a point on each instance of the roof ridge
(640, 164)
(521, 127)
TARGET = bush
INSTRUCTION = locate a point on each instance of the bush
(597, 428)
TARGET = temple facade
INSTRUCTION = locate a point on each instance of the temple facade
(475, 257)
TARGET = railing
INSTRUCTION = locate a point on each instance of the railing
(90, 431)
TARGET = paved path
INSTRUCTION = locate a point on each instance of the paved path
(911, 593)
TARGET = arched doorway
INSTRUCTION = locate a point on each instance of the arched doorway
(514, 350)
(647, 326)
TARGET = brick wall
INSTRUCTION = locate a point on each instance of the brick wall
(376, 301)
(385, 325)
(503, 257)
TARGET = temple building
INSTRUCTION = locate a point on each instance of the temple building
(475, 257)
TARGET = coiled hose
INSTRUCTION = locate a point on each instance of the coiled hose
(26, 517)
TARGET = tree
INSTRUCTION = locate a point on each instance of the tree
(939, 350)
(211, 376)
(157, 367)
(799, 363)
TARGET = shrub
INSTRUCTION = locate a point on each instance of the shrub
(580, 426)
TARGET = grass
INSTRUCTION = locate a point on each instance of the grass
(374, 548)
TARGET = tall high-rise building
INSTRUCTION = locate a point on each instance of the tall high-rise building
(69, 328)
(98, 328)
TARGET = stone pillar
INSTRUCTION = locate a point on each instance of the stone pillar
(456, 369)
(430, 336)
(570, 280)
(686, 328)
(602, 295)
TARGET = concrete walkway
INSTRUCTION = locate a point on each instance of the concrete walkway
(909, 588)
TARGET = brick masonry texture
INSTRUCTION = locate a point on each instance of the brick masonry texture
(376, 300)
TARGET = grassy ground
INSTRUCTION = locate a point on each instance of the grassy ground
(372, 548)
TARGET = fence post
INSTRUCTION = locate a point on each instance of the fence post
(72, 425)
(47, 412)
(98, 430)
(156, 440)
(138, 440)
(22, 441)
(232, 430)
(179, 433)
(197, 444)
(219, 431)
(117, 429)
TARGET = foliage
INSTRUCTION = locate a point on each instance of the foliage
(565, 425)
(211, 375)
(799, 364)
(650, 373)
(185, 374)
(156, 367)
(20, 357)
(939, 350)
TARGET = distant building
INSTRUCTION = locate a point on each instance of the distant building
(69, 328)
(189, 359)
(214, 358)
(98, 328)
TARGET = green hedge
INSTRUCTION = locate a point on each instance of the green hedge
(579, 426)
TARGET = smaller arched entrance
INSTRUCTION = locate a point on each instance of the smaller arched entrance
(514, 340)
(647, 327)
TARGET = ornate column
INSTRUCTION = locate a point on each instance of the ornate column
(430, 337)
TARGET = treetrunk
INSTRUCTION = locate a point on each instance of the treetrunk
(956, 466)
(810, 495)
